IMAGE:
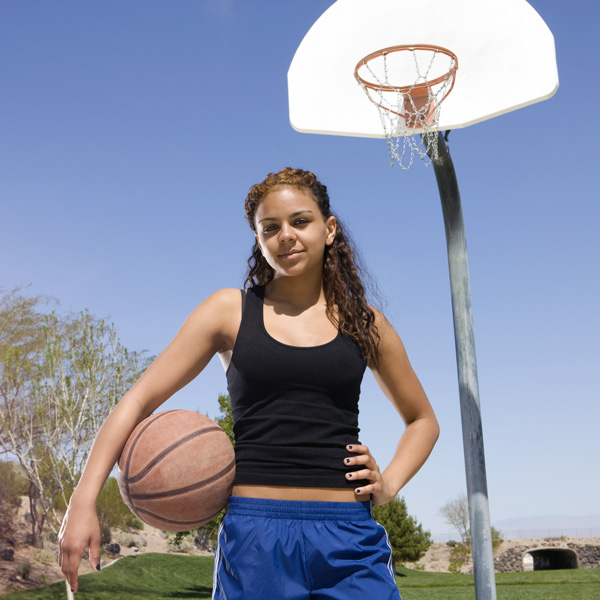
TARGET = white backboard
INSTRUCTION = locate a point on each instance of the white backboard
(505, 53)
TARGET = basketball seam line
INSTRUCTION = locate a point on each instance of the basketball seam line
(156, 460)
(185, 489)
(151, 514)
(125, 479)
(137, 437)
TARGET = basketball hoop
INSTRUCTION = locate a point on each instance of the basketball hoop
(410, 109)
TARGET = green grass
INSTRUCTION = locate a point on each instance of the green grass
(164, 576)
(149, 576)
(573, 584)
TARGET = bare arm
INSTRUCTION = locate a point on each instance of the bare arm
(211, 328)
(398, 381)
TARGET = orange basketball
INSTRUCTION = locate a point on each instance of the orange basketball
(176, 470)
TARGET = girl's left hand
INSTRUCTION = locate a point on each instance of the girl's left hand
(380, 490)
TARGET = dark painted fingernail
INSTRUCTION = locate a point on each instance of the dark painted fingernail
(358, 491)
(98, 567)
(349, 447)
(347, 461)
(349, 476)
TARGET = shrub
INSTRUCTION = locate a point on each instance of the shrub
(105, 533)
(130, 541)
(180, 541)
(459, 555)
(497, 539)
(132, 522)
(24, 569)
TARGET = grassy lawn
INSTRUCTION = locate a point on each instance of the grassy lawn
(574, 584)
(150, 576)
(164, 576)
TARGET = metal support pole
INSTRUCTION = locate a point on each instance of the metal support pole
(481, 539)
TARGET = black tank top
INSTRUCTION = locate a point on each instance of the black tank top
(294, 408)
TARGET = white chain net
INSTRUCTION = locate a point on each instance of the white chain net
(405, 115)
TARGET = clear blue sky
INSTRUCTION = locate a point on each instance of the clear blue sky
(131, 130)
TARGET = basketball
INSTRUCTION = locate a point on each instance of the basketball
(176, 470)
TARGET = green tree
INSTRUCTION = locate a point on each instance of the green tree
(408, 540)
(225, 419)
(60, 376)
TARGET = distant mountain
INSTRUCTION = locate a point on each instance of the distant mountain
(549, 522)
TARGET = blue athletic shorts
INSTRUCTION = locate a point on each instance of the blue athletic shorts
(291, 550)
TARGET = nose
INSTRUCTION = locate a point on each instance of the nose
(286, 233)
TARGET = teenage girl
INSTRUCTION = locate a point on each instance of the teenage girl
(295, 344)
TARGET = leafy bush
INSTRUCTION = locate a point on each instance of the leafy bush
(459, 555)
(497, 539)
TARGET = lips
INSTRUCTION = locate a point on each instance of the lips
(290, 254)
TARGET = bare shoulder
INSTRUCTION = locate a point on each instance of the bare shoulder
(221, 301)
(225, 299)
(208, 330)
(219, 316)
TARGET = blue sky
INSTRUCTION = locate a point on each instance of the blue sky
(131, 130)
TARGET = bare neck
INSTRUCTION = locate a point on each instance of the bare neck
(296, 292)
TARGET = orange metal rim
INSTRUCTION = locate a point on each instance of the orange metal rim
(406, 88)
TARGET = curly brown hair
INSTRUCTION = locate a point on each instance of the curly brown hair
(345, 294)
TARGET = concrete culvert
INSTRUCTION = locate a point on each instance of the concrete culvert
(553, 558)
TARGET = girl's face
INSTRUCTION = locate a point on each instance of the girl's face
(291, 231)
